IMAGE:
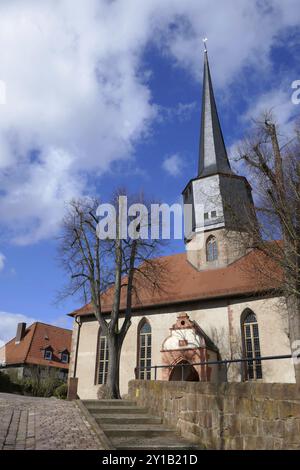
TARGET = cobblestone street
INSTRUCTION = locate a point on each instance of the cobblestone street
(43, 423)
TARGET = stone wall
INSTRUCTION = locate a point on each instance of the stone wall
(226, 416)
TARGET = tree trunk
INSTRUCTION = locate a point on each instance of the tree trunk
(113, 375)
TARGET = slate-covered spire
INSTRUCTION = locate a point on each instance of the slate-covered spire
(212, 151)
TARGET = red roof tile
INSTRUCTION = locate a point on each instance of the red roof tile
(185, 283)
(39, 336)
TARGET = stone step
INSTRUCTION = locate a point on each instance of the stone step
(129, 427)
(138, 418)
(112, 402)
(117, 410)
(137, 430)
(152, 443)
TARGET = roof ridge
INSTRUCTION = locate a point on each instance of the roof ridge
(35, 323)
(55, 326)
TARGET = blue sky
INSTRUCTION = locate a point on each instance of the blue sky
(107, 93)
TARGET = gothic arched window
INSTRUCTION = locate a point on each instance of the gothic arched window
(102, 360)
(251, 346)
(144, 350)
(211, 249)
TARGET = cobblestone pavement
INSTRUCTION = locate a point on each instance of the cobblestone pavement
(43, 423)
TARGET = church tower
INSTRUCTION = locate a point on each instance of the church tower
(220, 201)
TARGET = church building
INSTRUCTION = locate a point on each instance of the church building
(214, 308)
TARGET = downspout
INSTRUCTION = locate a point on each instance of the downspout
(79, 323)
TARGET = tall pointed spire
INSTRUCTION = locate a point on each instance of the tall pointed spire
(220, 201)
(212, 151)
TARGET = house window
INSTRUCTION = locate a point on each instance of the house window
(48, 354)
(144, 350)
(213, 214)
(253, 369)
(103, 360)
(65, 357)
(205, 215)
(211, 249)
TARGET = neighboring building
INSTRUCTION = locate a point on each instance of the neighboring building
(41, 350)
(215, 305)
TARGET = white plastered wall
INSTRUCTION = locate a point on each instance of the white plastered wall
(220, 320)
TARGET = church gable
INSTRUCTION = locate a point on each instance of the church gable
(187, 344)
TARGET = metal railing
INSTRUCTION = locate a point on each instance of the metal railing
(248, 360)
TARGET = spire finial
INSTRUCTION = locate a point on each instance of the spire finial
(204, 42)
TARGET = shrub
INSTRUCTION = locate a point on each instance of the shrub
(6, 385)
(39, 387)
(61, 391)
(49, 386)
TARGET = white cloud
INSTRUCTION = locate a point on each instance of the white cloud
(63, 321)
(2, 261)
(173, 164)
(9, 322)
(75, 103)
(38, 193)
(78, 98)
(277, 101)
(182, 112)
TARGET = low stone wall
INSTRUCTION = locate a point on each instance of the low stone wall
(228, 415)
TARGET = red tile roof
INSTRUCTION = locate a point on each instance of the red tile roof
(30, 350)
(185, 284)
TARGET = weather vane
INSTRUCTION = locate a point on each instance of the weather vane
(204, 42)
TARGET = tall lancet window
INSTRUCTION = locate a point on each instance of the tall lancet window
(144, 350)
(102, 366)
(250, 333)
(211, 249)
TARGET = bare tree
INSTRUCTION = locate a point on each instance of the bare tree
(273, 165)
(111, 270)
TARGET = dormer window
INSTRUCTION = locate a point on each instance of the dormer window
(64, 357)
(48, 354)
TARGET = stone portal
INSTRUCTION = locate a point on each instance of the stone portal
(186, 346)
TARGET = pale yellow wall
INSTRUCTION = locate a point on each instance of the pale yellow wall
(213, 318)
(273, 328)
(86, 361)
(2, 355)
(73, 349)
(208, 319)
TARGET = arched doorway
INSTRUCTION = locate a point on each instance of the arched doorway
(189, 372)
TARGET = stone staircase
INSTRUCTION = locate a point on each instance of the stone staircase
(128, 426)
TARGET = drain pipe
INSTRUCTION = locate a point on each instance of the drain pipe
(79, 323)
